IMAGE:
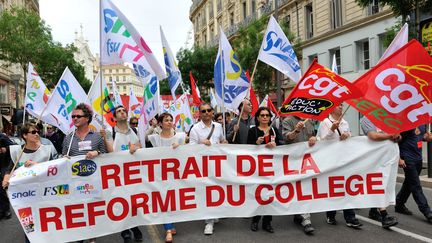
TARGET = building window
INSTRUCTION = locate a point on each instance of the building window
(211, 33)
(336, 13)
(253, 6)
(3, 93)
(219, 6)
(311, 58)
(244, 10)
(309, 21)
(110, 71)
(110, 79)
(373, 7)
(363, 55)
(287, 20)
(124, 78)
(211, 10)
(336, 53)
(232, 18)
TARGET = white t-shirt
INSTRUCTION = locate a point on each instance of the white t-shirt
(200, 132)
(158, 141)
(122, 140)
(325, 133)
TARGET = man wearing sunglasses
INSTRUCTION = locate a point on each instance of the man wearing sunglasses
(84, 141)
(207, 132)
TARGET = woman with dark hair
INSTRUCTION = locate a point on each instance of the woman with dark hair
(34, 152)
(167, 138)
(263, 134)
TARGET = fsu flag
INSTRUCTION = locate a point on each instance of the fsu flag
(397, 92)
(318, 92)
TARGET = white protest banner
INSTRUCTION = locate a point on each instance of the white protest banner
(73, 199)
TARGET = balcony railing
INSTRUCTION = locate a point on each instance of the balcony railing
(195, 4)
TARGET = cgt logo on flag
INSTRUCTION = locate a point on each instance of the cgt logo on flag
(26, 219)
(318, 93)
(403, 95)
(398, 91)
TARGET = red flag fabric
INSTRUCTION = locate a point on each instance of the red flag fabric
(252, 96)
(397, 92)
(318, 92)
(195, 96)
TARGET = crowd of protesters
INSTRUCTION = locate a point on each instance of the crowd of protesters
(35, 146)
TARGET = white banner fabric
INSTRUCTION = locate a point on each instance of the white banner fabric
(73, 199)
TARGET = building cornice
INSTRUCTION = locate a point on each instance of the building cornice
(348, 28)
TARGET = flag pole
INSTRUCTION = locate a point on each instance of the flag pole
(102, 104)
(248, 92)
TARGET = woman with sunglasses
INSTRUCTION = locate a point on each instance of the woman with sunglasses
(263, 134)
(167, 138)
(34, 152)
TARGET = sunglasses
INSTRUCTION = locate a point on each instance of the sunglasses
(49, 128)
(265, 115)
(206, 111)
(134, 123)
(34, 132)
(77, 116)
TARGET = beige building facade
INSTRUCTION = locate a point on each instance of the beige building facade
(124, 78)
(354, 35)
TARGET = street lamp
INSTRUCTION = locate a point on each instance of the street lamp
(15, 78)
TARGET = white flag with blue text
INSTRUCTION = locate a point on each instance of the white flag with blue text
(67, 94)
(229, 73)
(36, 96)
(276, 50)
(173, 73)
(121, 43)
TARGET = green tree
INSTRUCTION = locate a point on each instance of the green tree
(200, 61)
(25, 38)
(404, 8)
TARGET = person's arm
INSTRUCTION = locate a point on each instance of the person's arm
(378, 136)
(230, 131)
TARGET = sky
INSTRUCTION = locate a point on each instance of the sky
(65, 17)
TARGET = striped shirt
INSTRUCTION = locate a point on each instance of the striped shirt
(93, 141)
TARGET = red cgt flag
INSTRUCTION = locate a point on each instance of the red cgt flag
(195, 93)
(397, 92)
(252, 96)
(317, 93)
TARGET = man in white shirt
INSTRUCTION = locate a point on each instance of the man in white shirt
(124, 138)
(207, 132)
(336, 128)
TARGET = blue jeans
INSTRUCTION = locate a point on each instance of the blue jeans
(169, 226)
(412, 185)
(348, 214)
